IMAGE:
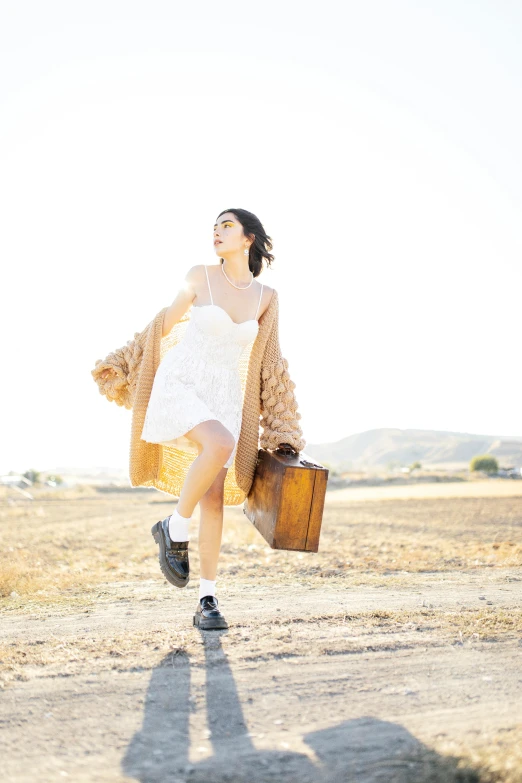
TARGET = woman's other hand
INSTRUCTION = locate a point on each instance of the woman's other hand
(287, 449)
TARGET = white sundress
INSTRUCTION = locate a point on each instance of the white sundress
(198, 379)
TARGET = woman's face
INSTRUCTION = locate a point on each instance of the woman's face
(228, 235)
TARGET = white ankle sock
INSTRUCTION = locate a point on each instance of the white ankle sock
(206, 587)
(179, 527)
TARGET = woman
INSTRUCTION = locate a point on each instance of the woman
(197, 404)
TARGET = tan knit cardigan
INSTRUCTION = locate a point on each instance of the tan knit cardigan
(270, 415)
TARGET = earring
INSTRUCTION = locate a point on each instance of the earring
(246, 251)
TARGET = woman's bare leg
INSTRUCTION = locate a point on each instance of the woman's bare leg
(211, 526)
(215, 445)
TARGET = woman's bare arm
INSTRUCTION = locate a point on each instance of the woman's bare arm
(179, 306)
(182, 300)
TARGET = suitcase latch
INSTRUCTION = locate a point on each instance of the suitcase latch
(310, 464)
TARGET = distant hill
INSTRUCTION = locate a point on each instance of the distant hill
(376, 450)
(386, 447)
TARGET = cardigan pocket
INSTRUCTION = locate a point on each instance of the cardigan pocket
(279, 414)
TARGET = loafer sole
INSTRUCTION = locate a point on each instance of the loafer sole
(167, 573)
(209, 623)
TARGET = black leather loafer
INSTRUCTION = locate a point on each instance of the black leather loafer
(173, 555)
(207, 616)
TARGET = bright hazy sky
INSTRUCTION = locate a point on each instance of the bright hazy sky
(378, 142)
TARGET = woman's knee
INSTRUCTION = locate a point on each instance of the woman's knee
(221, 442)
(212, 437)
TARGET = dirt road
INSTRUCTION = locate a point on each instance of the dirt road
(384, 669)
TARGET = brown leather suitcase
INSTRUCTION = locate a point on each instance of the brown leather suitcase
(286, 500)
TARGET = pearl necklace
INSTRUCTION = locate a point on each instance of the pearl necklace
(241, 287)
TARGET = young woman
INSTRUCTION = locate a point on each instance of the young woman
(196, 402)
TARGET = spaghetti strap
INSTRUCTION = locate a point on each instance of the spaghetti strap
(260, 295)
(208, 282)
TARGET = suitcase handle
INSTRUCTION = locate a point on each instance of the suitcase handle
(288, 451)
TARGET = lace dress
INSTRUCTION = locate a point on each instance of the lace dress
(198, 379)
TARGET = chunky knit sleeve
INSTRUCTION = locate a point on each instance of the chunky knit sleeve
(124, 363)
(279, 414)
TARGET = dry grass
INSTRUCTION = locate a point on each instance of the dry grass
(394, 628)
(79, 548)
(497, 760)
(70, 550)
(459, 487)
(58, 550)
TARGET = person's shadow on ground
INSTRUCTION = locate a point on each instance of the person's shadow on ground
(362, 750)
